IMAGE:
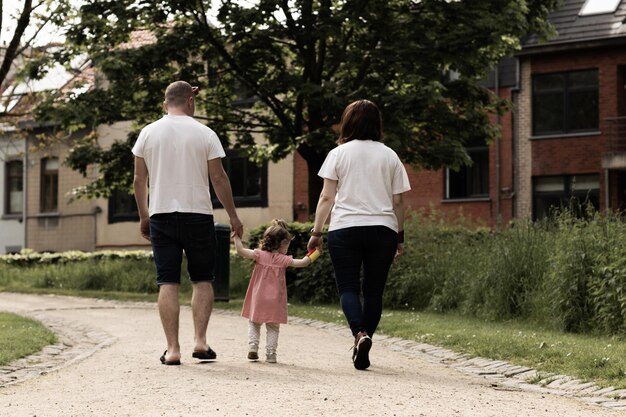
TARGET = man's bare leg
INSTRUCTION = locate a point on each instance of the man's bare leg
(201, 308)
(169, 310)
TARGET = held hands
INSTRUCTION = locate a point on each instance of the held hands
(399, 251)
(236, 226)
(315, 242)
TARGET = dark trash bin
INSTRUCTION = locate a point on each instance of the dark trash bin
(222, 262)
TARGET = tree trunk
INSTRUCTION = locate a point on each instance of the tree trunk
(316, 183)
(314, 162)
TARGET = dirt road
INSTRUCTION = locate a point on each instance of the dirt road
(112, 369)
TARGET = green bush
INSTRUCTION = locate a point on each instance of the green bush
(439, 260)
(28, 257)
(584, 290)
(131, 271)
(567, 272)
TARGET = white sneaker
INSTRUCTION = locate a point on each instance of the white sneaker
(270, 358)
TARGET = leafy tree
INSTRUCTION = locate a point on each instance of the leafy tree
(285, 69)
(23, 26)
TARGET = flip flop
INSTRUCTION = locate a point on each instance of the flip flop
(205, 355)
(166, 362)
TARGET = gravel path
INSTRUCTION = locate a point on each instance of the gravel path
(106, 364)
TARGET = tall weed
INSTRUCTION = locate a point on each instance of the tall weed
(514, 262)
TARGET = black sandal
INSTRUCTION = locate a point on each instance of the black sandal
(166, 362)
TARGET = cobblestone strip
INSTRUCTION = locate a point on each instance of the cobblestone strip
(501, 374)
(76, 342)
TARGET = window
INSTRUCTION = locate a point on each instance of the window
(565, 102)
(598, 7)
(247, 179)
(14, 187)
(49, 198)
(575, 192)
(122, 207)
(470, 181)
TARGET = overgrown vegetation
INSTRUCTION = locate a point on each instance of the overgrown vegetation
(566, 273)
(519, 294)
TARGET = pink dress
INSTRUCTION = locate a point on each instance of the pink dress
(266, 298)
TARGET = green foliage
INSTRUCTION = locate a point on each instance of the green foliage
(120, 271)
(514, 264)
(438, 264)
(288, 78)
(239, 276)
(567, 272)
(587, 276)
(29, 257)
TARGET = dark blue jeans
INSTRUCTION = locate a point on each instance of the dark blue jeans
(370, 249)
(173, 233)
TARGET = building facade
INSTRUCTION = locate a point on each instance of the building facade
(563, 143)
(572, 112)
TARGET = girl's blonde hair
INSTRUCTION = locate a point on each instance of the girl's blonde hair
(274, 235)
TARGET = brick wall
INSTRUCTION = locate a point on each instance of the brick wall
(575, 155)
(428, 187)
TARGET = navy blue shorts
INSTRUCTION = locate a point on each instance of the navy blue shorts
(172, 234)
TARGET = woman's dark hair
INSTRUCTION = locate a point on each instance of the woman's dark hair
(360, 120)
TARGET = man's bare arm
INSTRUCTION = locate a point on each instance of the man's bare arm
(140, 186)
(224, 192)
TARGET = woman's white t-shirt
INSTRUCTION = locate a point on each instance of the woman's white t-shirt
(368, 174)
(176, 150)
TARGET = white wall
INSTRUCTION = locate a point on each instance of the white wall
(11, 226)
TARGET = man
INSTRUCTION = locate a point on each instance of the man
(178, 155)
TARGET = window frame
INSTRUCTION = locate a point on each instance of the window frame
(260, 200)
(588, 9)
(118, 217)
(567, 192)
(49, 187)
(467, 173)
(7, 183)
(566, 108)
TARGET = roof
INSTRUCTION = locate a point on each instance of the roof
(19, 97)
(572, 28)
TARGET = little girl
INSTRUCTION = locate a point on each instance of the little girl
(266, 297)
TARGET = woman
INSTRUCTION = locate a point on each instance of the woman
(364, 181)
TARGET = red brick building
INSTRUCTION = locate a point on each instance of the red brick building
(571, 110)
(565, 139)
(471, 192)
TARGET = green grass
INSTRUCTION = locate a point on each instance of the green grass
(21, 336)
(600, 359)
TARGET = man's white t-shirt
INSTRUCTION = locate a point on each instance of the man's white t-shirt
(368, 174)
(176, 150)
